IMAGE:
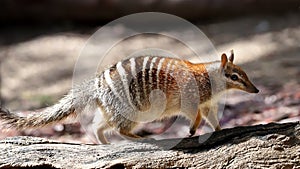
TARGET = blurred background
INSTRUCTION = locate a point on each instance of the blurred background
(40, 42)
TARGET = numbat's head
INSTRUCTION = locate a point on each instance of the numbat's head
(234, 76)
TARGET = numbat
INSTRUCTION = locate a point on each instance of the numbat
(144, 89)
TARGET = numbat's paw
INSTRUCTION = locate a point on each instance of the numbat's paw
(192, 133)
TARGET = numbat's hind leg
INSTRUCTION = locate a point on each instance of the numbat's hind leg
(99, 127)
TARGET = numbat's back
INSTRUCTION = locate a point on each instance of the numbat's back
(143, 89)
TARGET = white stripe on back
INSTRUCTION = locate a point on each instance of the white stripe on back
(146, 59)
(111, 84)
(158, 70)
(123, 76)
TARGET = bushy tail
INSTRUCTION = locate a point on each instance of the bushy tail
(73, 103)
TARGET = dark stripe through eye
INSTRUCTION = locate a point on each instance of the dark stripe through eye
(245, 84)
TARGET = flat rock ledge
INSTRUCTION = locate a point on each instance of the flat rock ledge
(262, 146)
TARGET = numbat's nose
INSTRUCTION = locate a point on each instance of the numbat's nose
(254, 90)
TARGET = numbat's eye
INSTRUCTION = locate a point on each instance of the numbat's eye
(234, 77)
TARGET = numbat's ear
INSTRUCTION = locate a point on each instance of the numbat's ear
(231, 57)
(223, 61)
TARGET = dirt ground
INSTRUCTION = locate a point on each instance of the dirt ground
(37, 64)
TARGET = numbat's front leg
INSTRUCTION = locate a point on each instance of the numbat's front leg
(211, 117)
(196, 124)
